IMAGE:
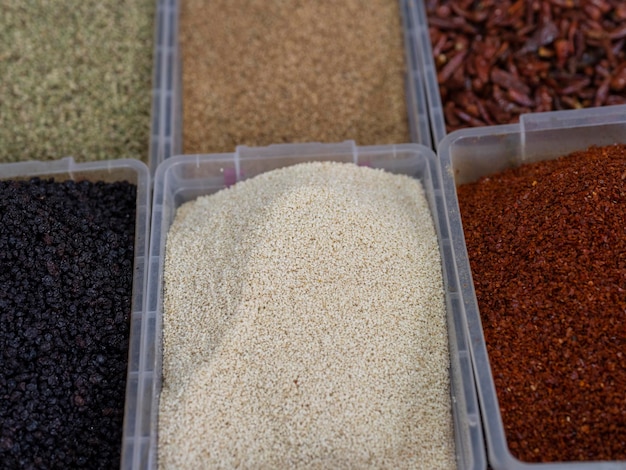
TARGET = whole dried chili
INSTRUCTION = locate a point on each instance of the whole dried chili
(497, 59)
(547, 248)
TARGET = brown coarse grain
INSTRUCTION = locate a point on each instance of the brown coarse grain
(304, 326)
(258, 72)
(547, 247)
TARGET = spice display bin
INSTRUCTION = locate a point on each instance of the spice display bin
(109, 171)
(166, 114)
(429, 69)
(166, 124)
(468, 154)
(184, 178)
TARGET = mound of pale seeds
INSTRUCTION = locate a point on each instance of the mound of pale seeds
(305, 327)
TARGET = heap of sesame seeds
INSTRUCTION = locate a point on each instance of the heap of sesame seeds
(304, 326)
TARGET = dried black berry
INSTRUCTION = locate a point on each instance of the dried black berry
(66, 257)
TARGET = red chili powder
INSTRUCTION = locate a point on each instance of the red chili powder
(547, 247)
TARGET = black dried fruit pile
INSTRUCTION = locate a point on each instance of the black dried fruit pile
(66, 265)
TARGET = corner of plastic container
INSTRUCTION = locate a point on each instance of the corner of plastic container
(66, 163)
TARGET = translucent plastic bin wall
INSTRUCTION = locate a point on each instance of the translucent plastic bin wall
(167, 111)
(465, 156)
(166, 124)
(133, 171)
(429, 70)
(183, 178)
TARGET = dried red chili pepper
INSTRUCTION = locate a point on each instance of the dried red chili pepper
(524, 46)
(547, 248)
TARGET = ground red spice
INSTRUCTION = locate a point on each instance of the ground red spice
(547, 247)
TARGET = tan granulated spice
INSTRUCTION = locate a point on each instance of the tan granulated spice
(305, 326)
(259, 72)
(75, 79)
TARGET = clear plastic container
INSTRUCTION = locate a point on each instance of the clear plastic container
(466, 155)
(131, 170)
(166, 126)
(428, 68)
(183, 178)
(135, 172)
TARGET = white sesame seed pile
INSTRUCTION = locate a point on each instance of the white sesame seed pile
(304, 326)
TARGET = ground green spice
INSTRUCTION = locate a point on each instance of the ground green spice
(75, 79)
